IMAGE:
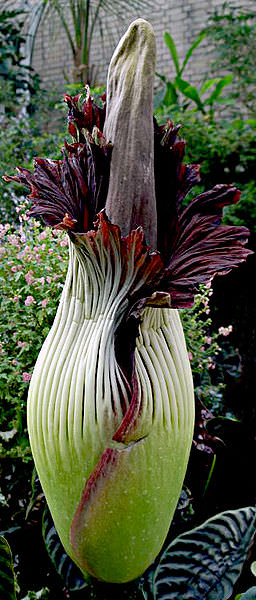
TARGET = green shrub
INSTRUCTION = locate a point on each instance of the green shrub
(180, 94)
(33, 265)
(15, 77)
(21, 139)
(207, 351)
(232, 30)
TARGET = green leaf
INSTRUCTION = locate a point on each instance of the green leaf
(42, 594)
(7, 582)
(64, 566)
(173, 50)
(251, 122)
(206, 562)
(208, 84)
(189, 91)
(171, 96)
(219, 87)
(191, 50)
(162, 77)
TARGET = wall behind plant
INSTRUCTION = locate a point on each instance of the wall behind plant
(184, 20)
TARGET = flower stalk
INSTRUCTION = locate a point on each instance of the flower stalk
(110, 406)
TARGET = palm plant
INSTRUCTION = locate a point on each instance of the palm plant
(78, 19)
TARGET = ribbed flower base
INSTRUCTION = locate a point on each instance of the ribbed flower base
(111, 454)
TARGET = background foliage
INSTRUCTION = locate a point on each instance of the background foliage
(15, 77)
(232, 33)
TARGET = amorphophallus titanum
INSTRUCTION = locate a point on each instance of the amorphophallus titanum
(110, 407)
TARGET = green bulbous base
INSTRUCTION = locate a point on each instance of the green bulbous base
(112, 497)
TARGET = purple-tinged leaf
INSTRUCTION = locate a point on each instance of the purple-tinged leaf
(84, 114)
(173, 181)
(67, 193)
(203, 247)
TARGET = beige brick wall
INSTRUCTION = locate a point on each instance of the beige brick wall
(184, 19)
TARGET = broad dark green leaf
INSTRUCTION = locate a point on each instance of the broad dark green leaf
(191, 50)
(189, 91)
(170, 43)
(208, 84)
(204, 564)
(64, 566)
(7, 583)
(171, 96)
(219, 87)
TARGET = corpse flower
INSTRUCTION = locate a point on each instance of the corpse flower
(111, 407)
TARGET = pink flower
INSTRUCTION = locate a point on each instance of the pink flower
(14, 269)
(210, 364)
(190, 355)
(21, 344)
(225, 330)
(14, 362)
(13, 239)
(50, 251)
(29, 300)
(42, 236)
(48, 279)
(16, 299)
(44, 302)
(64, 243)
(42, 280)
(26, 377)
(208, 339)
(29, 277)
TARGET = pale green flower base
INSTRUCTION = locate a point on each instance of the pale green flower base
(71, 420)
